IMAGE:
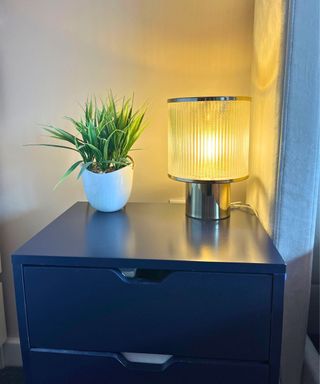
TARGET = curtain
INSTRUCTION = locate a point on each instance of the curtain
(284, 153)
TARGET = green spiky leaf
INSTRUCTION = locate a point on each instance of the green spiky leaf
(67, 173)
(104, 134)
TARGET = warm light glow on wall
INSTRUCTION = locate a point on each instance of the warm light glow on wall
(209, 138)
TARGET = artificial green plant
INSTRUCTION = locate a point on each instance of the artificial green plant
(104, 135)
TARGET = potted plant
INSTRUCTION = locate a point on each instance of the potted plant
(105, 135)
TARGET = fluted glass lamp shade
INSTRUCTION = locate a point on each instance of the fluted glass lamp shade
(208, 139)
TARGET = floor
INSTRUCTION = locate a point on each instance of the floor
(11, 376)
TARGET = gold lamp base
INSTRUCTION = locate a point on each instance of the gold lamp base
(208, 201)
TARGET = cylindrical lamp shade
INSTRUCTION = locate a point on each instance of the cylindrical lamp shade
(208, 138)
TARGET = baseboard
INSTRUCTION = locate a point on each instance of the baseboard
(12, 353)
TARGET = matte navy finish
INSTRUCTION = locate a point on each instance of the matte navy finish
(149, 280)
(66, 368)
(157, 236)
(115, 313)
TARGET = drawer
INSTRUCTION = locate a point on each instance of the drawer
(68, 368)
(193, 314)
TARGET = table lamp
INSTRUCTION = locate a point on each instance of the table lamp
(208, 148)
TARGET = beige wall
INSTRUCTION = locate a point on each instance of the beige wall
(55, 53)
(267, 60)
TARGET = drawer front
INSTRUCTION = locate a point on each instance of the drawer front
(193, 314)
(68, 368)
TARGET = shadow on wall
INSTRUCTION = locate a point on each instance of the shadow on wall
(260, 195)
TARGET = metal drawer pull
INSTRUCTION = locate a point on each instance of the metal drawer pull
(146, 358)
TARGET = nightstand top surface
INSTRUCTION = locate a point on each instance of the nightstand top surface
(152, 235)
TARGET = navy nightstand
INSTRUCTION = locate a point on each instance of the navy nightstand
(92, 289)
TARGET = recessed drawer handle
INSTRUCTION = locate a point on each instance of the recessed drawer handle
(129, 273)
(145, 361)
(143, 275)
(148, 358)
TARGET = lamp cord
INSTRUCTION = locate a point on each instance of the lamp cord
(245, 207)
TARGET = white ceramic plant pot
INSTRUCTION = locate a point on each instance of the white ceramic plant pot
(108, 192)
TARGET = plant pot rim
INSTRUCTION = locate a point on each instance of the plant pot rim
(111, 172)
